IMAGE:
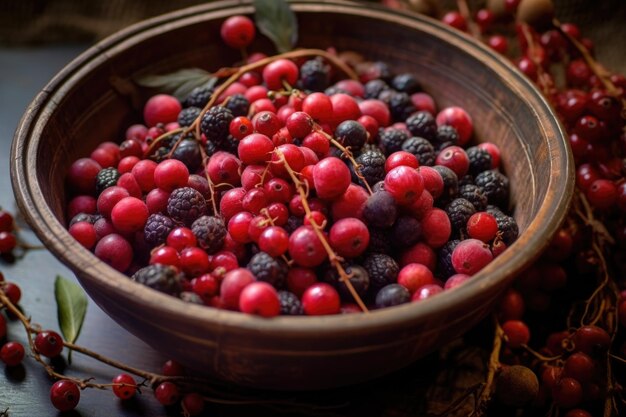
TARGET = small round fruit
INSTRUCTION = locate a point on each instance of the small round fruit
(516, 386)
(331, 178)
(405, 184)
(261, 299)
(516, 332)
(125, 388)
(161, 108)
(12, 353)
(64, 395)
(321, 299)
(237, 31)
(470, 256)
(49, 343)
(349, 237)
(129, 215)
(167, 393)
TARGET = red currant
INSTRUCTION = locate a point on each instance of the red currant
(125, 386)
(12, 353)
(259, 298)
(167, 393)
(64, 395)
(274, 240)
(237, 31)
(49, 343)
(516, 332)
(320, 299)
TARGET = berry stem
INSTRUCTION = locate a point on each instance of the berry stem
(205, 159)
(467, 15)
(158, 140)
(334, 259)
(543, 79)
(493, 369)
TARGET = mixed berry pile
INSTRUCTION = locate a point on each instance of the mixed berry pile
(293, 189)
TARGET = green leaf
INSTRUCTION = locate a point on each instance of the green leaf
(71, 309)
(178, 83)
(276, 20)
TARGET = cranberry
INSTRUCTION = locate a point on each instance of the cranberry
(590, 129)
(156, 201)
(279, 213)
(194, 261)
(240, 127)
(259, 298)
(193, 404)
(232, 285)
(455, 158)
(305, 247)
(253, 175)
(130, 184)
(49, 343)
(456, 280)
(165, 255)
(458, 119)
(470, 256)
(125, 386)
(482, 226)
(567, 393)
(144, 173)
(223, 168)
(171, 174)
(318, 106)
(401, 158)
(527, 67)
(580, 367)
(424, 102)
(129, 215)
(161, 108)
(13, 292)
(376, 109)
(586, 174)
(280, 72)
(550, 376)
(320, 299)
(115, 251)
(591, 340)
(6, 221)
(238, 226)
(498, 43)
(578, 73)
(173, 368)
(484, 18)
(414, 276)
(237, 31)
(81, 204)
(274, 240)
(82, 175)
(516, 332)
(405, 184)
(331, 177)
(419, 253)
(278, 190)
(299, 279)
(255, 149)
(436, 228)
(64, 395)
(12, 353)
(225, 260)
(455, 19)
(136, 132)
(511, 306)
(104, 158)
(181, 238)
(167, 393)
(350, 203)
(602, 194)
(349, 237)
(426, 291)
(494, 151)
(8, 242)
(299, 124)
(293, 157)
(318, 143)
(257, 225)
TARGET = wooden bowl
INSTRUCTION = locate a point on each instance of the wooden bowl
(80, 108)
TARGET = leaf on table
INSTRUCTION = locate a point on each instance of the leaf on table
(71, 309)
(178, 83)
(277, 21)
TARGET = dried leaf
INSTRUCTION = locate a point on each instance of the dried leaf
(276, 20)
(71, 309)
(178, 83)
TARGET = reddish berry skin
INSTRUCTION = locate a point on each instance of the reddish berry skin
(81, 204)
(401, 158)
(274, 240)
(206, 286)
(426, 291)
(173, 368)
(482, 226)
(350, 203)
(136, 132)
(377, 110)
(82, 175)
(414, 276)
(455, 19)
(194, 261)
(349, 237)
(126, 388)
(181, 238)
(156, 201)
(602, 194)
(49, 343)
(104, 158)
(433, 182)
(561, 246)
(257, 225)
(167, 393)
(405, 184)
(577, 413)
(591, 340)
(455, 158)
(299, 124)
(240, 127)
(321, 299)
(527, 67)
(165, 255)
(255, 149)
(7, 242)
(129, 215)
(458, 119)
(494, 151)
(130, 149)
(580, 367)
(317, 217)
(484, 18)
(511, 306)
(193, 404)
(294, 157)
(12, 353)
(299, 279)
(224, 168)
(261, 299)
(279, 71)
(237, 31)
(517, 333)
(278, 190)
(109, 198)
(456, 280)
(498, 43)
(115, 251)
(578, 73)
(318, 143)
(470, 256)
(586, 174)
(331, 178)
(232, 202)
(305, 247)
(344, 108)
(424, 102)
(64, 395)
(129, 183)
(238, 226)
(161, 108)
(143, 172)
(232, 285)
(6, 221)
(419, 253)
(13, 292)
(279, 213)
(171, 174)
(436, 228)
(590, 129)
(318, 106)
(567, 393)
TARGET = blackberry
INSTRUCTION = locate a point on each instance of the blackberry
(441, 146)
(494, 185)
(333, 89)
(392, 295)
(290, 304)
(444, 258)
(314, 75)
(210, 232)
(380, 210)
(268, 269)
(191, 297)
(508, 227)
(495, 211)
(467, 179)
(198, 97)
(406, 83)
(422, 149)
(459, 211)
(479, 159)
(351, 134)
(156, 229)
(238, 104)
(391, 140)
(372, 167)
(401, 106)
(188, 115)
(186, 205)
(336, 152)
(474, 195)
(450, 182)
(406, 231)
(229, 144)
(446, 133)
(359, 278)
(83, 217)
(373, 88)
(188, 152)
(382, 270)
(210, 148)
(159, 277)
(215, 123)
(381, 69)
(422, 124)
(372, 147)
(107, 177)
(379, 241)
(293, 222)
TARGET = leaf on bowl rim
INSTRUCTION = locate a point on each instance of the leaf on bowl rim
(71, 309)
(277, 21)
(179, 83)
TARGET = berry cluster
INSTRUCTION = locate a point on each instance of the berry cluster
(8, 240)
(287, 190)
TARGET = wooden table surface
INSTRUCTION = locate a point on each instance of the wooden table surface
(25, 390)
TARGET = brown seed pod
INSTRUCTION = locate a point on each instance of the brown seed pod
(427, 7)
(517, 386)
(497, 7)
(537, 13)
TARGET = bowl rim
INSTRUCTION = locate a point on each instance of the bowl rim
(55, 236)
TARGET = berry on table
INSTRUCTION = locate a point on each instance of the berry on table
(124, 386)
(167, 393)
(12, 353)
(48, 343)
(64, 395)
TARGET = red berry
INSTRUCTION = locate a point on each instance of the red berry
(498, 43)
(436, 228)
(143, 172)
(130, 184)
(470, 256)
(586, 174)
(167, 393)
(344, 108)
(156, 200)
(331, 178)
(129, 150)
(7, 242)
(64, 395)
(125, 386)
(237, 31)
(455, 158)
(292, 155)
(238, 226)
(274, 240)
(456, 280)
(259, 298)
(299, 124)
(255, 149)
(279, 213)
(232, 285)
(318, 106)
(136, 132)
(482, 226)
(426, 291)
(115, 251)
(602, 194)
(173, 368)
(278, 190)
(49, 343)
(318, 143)
(129, 215)
(12, 353)
(181, 238)
(458, 119)
(193, 404)
(279, 72)
(516, 332)
(419, 253)
(349, 237)
(194, 261)
(405, 184)
(578, 413)
(305, 247)
(109, 198)
(484, 18)
(299, 279)
(511, 306)
(165, 255)
(232, 202)
(455, 19)
(567, 393)
(591, 340)
(82, 175)
(414, 276)
(6, 221)
(224, 168)
(401, 158)
(320, 299)
(171, 174)
(105, 158)
(590, 129)
(494, 151)
(206, 286)
(580, 367)
(376, 109)
(13, 292)
(578, 73)
(161, 108)
(350, 203)
(240, 127)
